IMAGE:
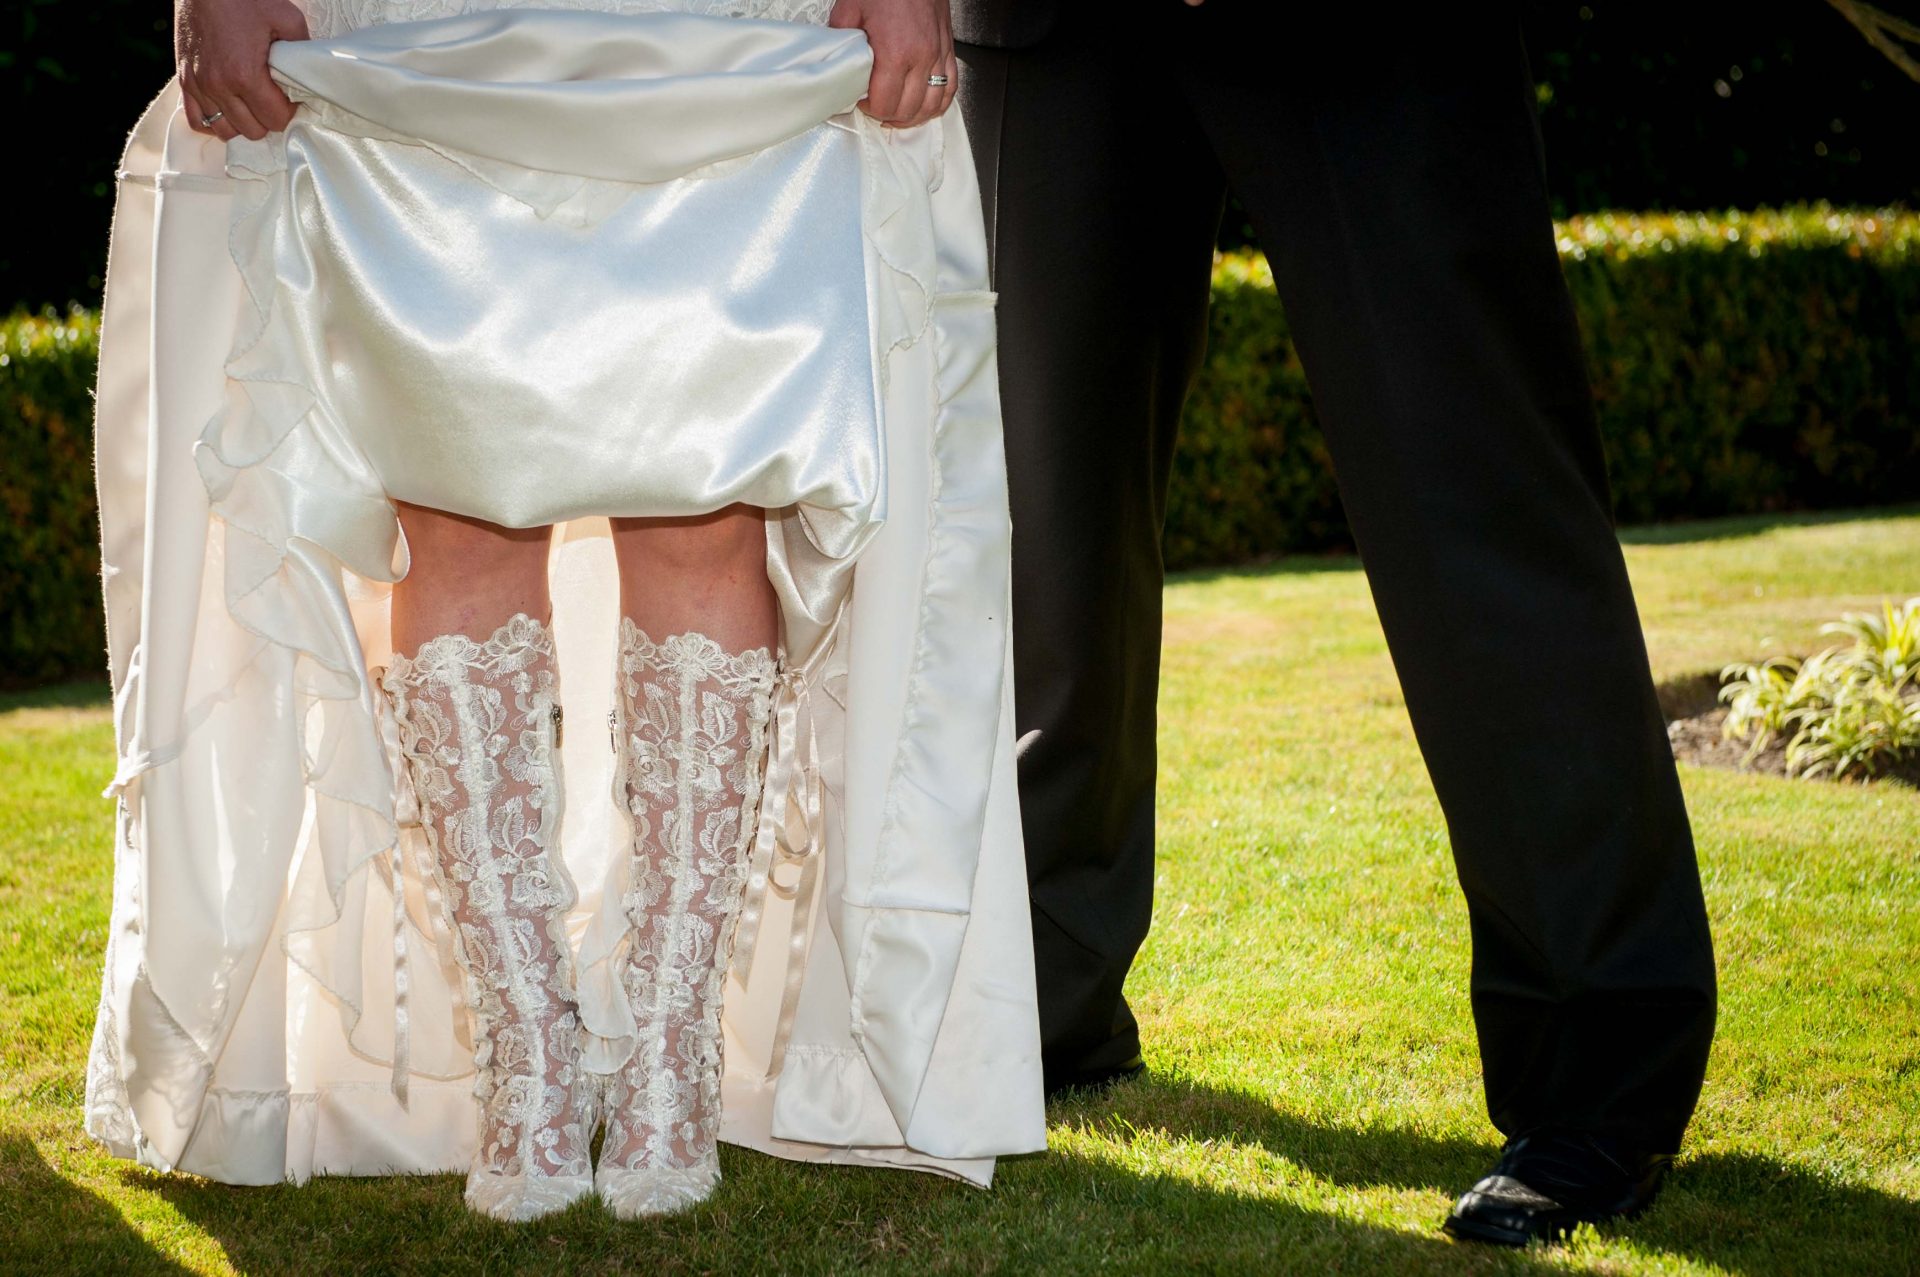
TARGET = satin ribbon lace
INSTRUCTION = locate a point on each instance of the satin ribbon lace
(477, 726)
(691, 729)
(787, 851)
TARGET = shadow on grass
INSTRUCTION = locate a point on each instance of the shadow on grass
(1688, 695)
(1054, 1213)
(1072, 1215)
(1063, 1212)
(1737, 1211)
(50, 1225)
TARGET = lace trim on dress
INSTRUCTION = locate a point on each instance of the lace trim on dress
(109, 1115)
(326, 18)
(691, 726)
(477, 730)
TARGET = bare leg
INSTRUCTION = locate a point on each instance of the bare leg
(707, 573)
(691, 715)
(467, 577)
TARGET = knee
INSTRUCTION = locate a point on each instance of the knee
(441, 542)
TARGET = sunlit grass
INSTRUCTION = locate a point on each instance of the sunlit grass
(1313, 1100)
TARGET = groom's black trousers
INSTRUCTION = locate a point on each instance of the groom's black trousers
(1393, 175)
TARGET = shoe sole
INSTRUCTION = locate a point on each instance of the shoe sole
(1468, 1231)
(1557, 1229)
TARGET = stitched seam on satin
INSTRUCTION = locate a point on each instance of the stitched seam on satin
(873, 906)
(916, 681)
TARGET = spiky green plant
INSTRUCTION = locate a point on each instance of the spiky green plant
(1846, 710)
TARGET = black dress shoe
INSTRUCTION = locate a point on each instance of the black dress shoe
(1093, 1080)
(1548, 1181)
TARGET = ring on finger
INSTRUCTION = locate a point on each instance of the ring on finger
(937, 81)
(208, 121)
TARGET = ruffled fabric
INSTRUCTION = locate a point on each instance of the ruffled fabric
(295, 500)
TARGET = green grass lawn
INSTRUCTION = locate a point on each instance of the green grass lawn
(1313, 1097)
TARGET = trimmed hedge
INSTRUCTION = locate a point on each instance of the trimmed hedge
(1742, 363)
(52, 625)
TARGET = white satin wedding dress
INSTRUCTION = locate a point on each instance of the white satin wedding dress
(548, 265)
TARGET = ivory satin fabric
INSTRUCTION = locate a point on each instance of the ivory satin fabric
(544, 267)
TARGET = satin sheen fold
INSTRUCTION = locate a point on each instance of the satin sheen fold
(597, 287)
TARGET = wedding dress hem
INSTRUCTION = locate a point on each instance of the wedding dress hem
(246, 580)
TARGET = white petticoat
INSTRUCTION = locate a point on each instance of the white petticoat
(452, 280)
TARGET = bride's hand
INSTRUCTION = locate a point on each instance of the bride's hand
(912, 42)
(220, 53)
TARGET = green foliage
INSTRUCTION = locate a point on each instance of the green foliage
(52, 627)
(1741, 363)
(1847, 709)
(1752, 362)
(1251, 475)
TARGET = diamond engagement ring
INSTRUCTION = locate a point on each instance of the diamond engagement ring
(937, 81)
(206, 121)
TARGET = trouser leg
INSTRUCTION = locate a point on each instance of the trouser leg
(1395, 180)
(1104, 206)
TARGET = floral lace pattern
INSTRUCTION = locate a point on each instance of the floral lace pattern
(326, 18)
(478, 727)
(107, 1106)
(691, 723)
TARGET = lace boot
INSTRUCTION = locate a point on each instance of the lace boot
(690, 727)
(479, 729)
